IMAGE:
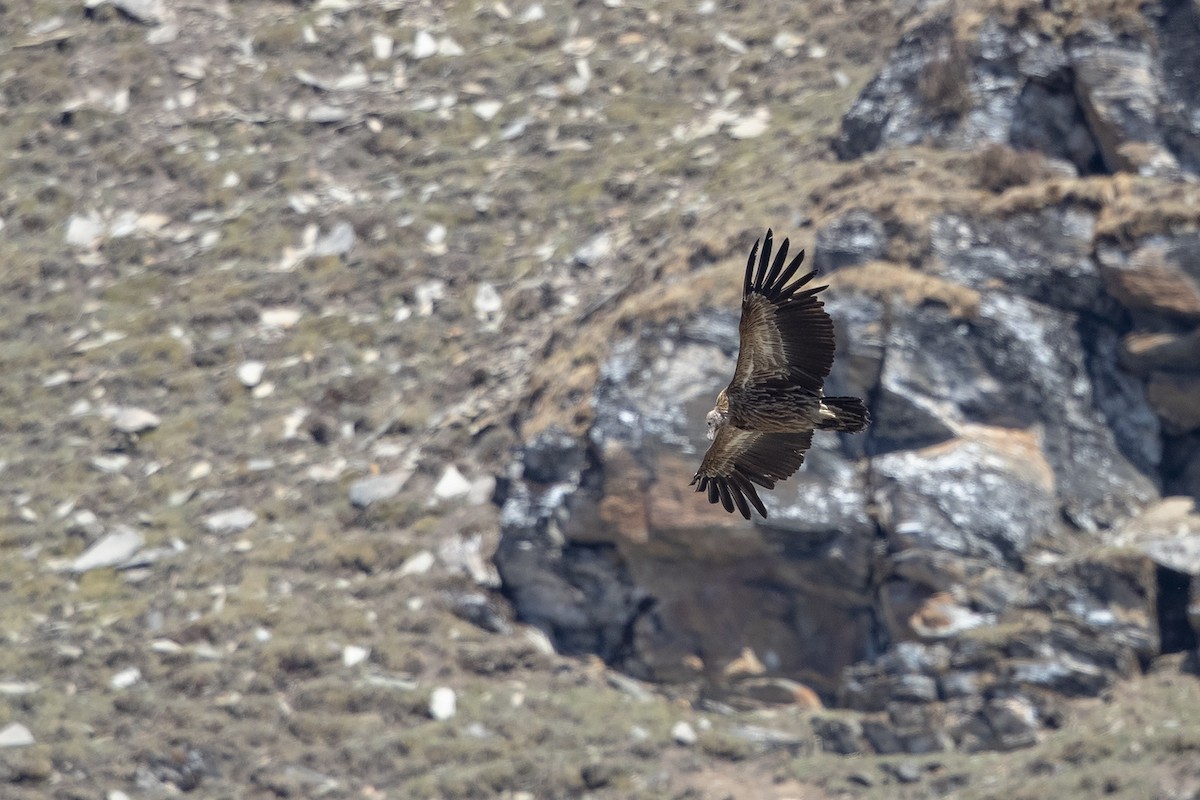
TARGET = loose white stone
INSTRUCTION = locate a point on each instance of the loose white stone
(736, 45)
(534, 13)
(279, 317)
(443, 704)
(594, 250)
(448, 47)
(86, 520)
(112, 549)
(233, 520)
(338, 242)
(16, 688)
(84, 232)
(124, 225)
(135, 420)
(417, 564)
(200, 470)
(427, 295)
(787, 42)
(514, 129)
(15, 734)
(750, 127)
(327, 473)
(487, 110)
(356, 78)
(163, 34)
(382, 46)
(482, 489)
(352, 654)
(194, 68)
(424, 45)
(250, 373)
(373, 488)
(436, 235)
(540, 641)
(126, 678)
(147, 12)
(152, 222)
(487, 303)
(683, 733)
(452, 484)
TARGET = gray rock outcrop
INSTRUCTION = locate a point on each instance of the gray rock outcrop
(997, 540)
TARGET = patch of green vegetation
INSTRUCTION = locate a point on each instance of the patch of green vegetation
(315, 333)
(103, 585)
(277, 38)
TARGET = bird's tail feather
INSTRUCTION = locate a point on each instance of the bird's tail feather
(847, 414)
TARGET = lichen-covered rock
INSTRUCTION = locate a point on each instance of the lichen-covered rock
(1004, 723)
(1178, 31)
(1044, 256)
(1143, 352)
(841, 734)
(1102, 99)
(1021, 365)
(919, 95)
(1118, 83)
(1158, 276)
(855, 237)
(986, 496)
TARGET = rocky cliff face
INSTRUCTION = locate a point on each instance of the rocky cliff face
(1014, 255)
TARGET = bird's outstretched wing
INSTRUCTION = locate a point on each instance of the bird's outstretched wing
(786, 335)
(737, 459)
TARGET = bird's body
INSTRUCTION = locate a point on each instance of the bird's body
(763, 421)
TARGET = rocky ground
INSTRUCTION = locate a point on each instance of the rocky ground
(308, 307)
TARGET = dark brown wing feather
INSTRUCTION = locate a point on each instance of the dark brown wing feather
(785, 333)
(737, 459)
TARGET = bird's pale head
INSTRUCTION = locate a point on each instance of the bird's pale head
(714, 420)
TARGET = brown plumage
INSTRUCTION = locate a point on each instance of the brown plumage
(763, 421)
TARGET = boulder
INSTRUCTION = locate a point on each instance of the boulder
(1118, 83)
(1044, 256)
(855, 237)
(1164, 352)
(1178, 34)
(1114, 95)
(1176, 400)
(1021, 365)
(1004, 723)
(1158, 277)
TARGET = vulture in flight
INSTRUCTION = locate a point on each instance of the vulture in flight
(764, 419)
